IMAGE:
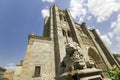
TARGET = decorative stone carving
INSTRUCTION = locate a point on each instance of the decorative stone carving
(90, 63)
(73, 59)
(33, 33)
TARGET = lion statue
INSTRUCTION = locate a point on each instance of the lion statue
(73, 59)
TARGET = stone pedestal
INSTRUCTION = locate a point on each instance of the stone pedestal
(84, 74)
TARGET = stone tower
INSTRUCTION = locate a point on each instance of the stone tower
(45, 55)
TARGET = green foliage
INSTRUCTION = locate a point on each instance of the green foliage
(114, 73)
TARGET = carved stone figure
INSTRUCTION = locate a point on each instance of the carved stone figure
(73, 59)
(90, 63)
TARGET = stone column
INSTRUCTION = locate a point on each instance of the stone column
(59, 46)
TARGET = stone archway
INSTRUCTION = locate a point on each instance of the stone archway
(95, 57)
(92, 53)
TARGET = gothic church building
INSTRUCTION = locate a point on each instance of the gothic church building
(66, 51)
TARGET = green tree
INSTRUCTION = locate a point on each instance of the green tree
(114, 73)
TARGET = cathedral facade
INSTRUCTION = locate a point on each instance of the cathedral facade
(66, 51)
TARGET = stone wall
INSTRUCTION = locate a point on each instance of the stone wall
(8, 75)
(39, 53)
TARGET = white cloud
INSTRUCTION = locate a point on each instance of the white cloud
(118, 38)
(91, 27)
(48, 0)
(81, 19)
(98, 31)
(102, 9)
(45, 12)
(89, 17)
(113, 24)
(114, 35)
(116, 26)
(77, 8)
(104, 38)
(116, 30)
(110, 34)
(10, 66)
(117, 0)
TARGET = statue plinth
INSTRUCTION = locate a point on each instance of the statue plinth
(84, 74)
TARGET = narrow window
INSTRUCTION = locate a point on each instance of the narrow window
(69, 33)
(64, 33)
(60, 17)
(65, 19)
(37, 71)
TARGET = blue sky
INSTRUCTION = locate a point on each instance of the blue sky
(18, 18)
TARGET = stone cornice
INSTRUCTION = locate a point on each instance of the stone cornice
(39, 37)
(117, 55)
